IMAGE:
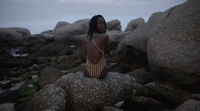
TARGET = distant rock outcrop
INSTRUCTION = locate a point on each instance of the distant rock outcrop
(135, 23)
(69, 30)
(59, 24)
(115, 37)
(23, 31)
(13, 36)
(87, 94)
(114, 25)
(47, 34)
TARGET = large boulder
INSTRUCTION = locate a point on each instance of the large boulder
(33, 40)
(169, 97)
(84, 21)
(78, 38)
(71, 29)
(142, 75)
(67, 62)
(141, 104)
(47, 34)
(4, 56)
(130, 57)
(9, 96)
(49, 76)
(174, 49)
(115, 37)
(114, 25)
(35, 47)
(190, 105)
(58, 47)
(89, 94)
(23, 31)
(131, 51)
(134, 23)
(10, 37)
(59, 24)
(50, 98)
(51, 49)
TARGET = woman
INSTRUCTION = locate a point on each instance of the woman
(94, 47)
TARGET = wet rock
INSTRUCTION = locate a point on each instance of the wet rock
(17, 86)
(141, 104)
(142, 75)
(58, 47)
(36, 46)
(67, 62)
(50, 49)
(29, 62)
(4, 55)
(14, 73)
(47, 34)
(119, 104)
(6, 85)
(114, 67)
(9, 96)
(196, 97)
(110, 108)
(169, 97)
(190, 105)
(129, 57)
(34, 39)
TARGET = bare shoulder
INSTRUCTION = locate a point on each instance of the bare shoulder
(86, 39)
(105, 36)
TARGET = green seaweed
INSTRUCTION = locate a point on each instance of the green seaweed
(21, 103)
(36, 72)
(73, 70)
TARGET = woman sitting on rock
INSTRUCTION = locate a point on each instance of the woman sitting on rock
(94, 47)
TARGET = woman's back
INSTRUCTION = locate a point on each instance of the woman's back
(92, 51)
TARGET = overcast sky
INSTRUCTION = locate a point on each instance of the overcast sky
(42, 15)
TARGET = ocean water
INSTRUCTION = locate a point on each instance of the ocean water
(13, 51)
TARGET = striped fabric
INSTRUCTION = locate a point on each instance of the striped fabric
(95, 69)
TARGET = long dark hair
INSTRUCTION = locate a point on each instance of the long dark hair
(93, 25)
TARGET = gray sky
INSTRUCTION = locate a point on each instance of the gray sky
(42, 15)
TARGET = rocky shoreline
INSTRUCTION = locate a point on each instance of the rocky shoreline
(153, 66)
